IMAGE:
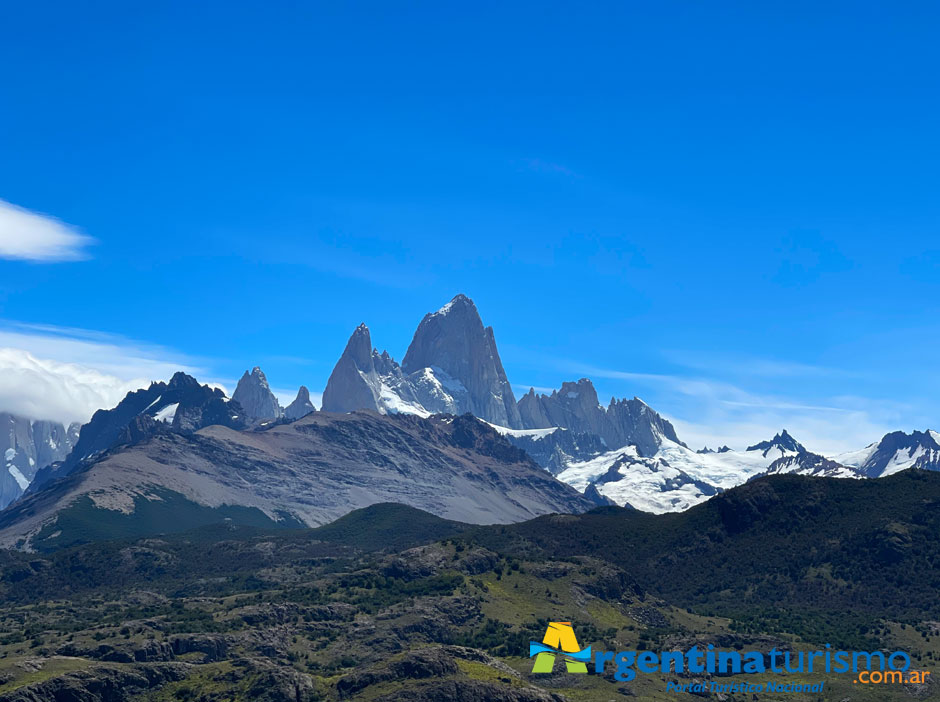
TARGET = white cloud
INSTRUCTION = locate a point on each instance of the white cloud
(63, 392)
(66, 374)
(30, 236)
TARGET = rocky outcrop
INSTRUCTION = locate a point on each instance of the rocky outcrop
(105, 683)
(455, 347)
(301, 406)
(254, 396)
(26, 446)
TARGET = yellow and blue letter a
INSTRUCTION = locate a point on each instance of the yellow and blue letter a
(559, 636)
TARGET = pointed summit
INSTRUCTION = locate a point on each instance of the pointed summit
(352, 384)
(301, 406)
(461, 355)
(782, 442)
(255, 397)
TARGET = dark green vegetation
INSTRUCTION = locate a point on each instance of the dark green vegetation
(821, 558)
(83, 523)
(232, 612)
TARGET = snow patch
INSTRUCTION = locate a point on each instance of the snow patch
(532, 433)
(391, 403)
(167, 413)
(902, 460)
(856, 459)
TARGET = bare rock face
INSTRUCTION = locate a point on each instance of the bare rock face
(301, 406)
(363, 378)
(453, 340)
(26, 446)
(575, 406)
(255, 397)
(352, 384)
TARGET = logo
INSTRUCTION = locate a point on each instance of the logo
(559, 639)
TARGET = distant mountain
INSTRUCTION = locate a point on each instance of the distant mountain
(301, 406)
(27, 446)
(555, 449)
(182, 405)
(674, 477)
(452, 366)
(575, 406)
(807, 463)
(308, 472)
(650, 484)
(782, 443)
(895, 452)
(255, 397)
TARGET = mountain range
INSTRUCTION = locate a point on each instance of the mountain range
(186, 441)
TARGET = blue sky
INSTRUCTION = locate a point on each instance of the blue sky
(728, 209)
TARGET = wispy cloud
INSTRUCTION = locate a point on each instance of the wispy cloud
(30, 236)
(539, 165)
(709, 411)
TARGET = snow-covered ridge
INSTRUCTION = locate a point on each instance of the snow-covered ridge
(533, 433)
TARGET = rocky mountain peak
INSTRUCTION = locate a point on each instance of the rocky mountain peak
(301, 406)
(181, 380)
(353, 384)
(583, 391)
(182, 405)
(255, 397)
(454, 340)
(782, 441)
(895, 452)
(359, 348)
(574, 406)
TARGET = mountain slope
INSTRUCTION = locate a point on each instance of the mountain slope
(784, 547)
(310, 471)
